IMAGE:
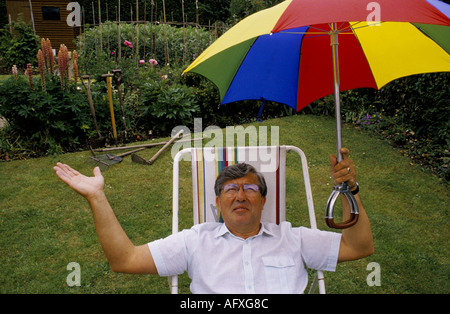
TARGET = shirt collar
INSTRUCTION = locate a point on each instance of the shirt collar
(224, 230)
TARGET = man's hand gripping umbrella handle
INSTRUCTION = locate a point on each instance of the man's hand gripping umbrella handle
(343, 189)
(354, 213)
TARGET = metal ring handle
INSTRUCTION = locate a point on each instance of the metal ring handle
(354, 213)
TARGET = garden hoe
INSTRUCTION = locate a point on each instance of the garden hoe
(86, 81)
(111, 107)
(143, 145)
(118, 81)
(105, 161)
(137, 159)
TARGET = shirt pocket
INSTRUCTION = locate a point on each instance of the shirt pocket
(280, 273)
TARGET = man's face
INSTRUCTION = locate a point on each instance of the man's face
(241, 207)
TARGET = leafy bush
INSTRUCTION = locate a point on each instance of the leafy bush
(414, 117)
(18, 47)
(47, 122)
(411, 112)
(166, 106)
(422, 103)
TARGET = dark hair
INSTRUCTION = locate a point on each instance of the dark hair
(237, 171)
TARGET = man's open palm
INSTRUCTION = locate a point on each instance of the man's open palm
(86, 186)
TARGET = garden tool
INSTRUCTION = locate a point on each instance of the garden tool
(86, 81)
(143, 145)
(111, 107)
(137, 159)
(105, 161)
(118, 81)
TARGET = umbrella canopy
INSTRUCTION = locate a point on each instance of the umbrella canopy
(283, 53)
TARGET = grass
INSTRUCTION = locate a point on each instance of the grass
(44, 225)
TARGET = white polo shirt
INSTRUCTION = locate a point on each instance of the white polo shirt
(273, 261)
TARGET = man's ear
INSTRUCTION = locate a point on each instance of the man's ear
(218, 203)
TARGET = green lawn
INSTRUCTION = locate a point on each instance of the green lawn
(44, 225)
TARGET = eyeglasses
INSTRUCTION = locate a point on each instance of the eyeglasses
(230, 190)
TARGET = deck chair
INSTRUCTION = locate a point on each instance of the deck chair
(207, 162)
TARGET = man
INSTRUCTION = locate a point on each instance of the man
(241, 255)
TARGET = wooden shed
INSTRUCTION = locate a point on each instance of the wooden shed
(48, 17)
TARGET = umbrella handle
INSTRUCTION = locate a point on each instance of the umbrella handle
(354, 213)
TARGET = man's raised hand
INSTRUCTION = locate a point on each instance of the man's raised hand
(86, 186)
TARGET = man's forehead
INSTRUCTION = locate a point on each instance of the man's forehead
(249, 178)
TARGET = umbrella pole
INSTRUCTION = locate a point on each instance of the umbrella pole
(342, 188)
(337, 98)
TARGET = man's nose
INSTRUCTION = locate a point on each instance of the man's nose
(240, 195)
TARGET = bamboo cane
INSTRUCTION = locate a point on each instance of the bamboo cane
(119, 43)
(184, 32)
(95, 33)
(100, 27)
(32, 16)
(151, 31)
(197, 26)
(109, 27)
(166, 43)
(137, 34)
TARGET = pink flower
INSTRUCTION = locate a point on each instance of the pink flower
(153, 62)
(141, 61)
(127, 43)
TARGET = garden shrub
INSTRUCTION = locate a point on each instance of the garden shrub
(47, 122)
(412, 113)
(165, 106)
(18, 47)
